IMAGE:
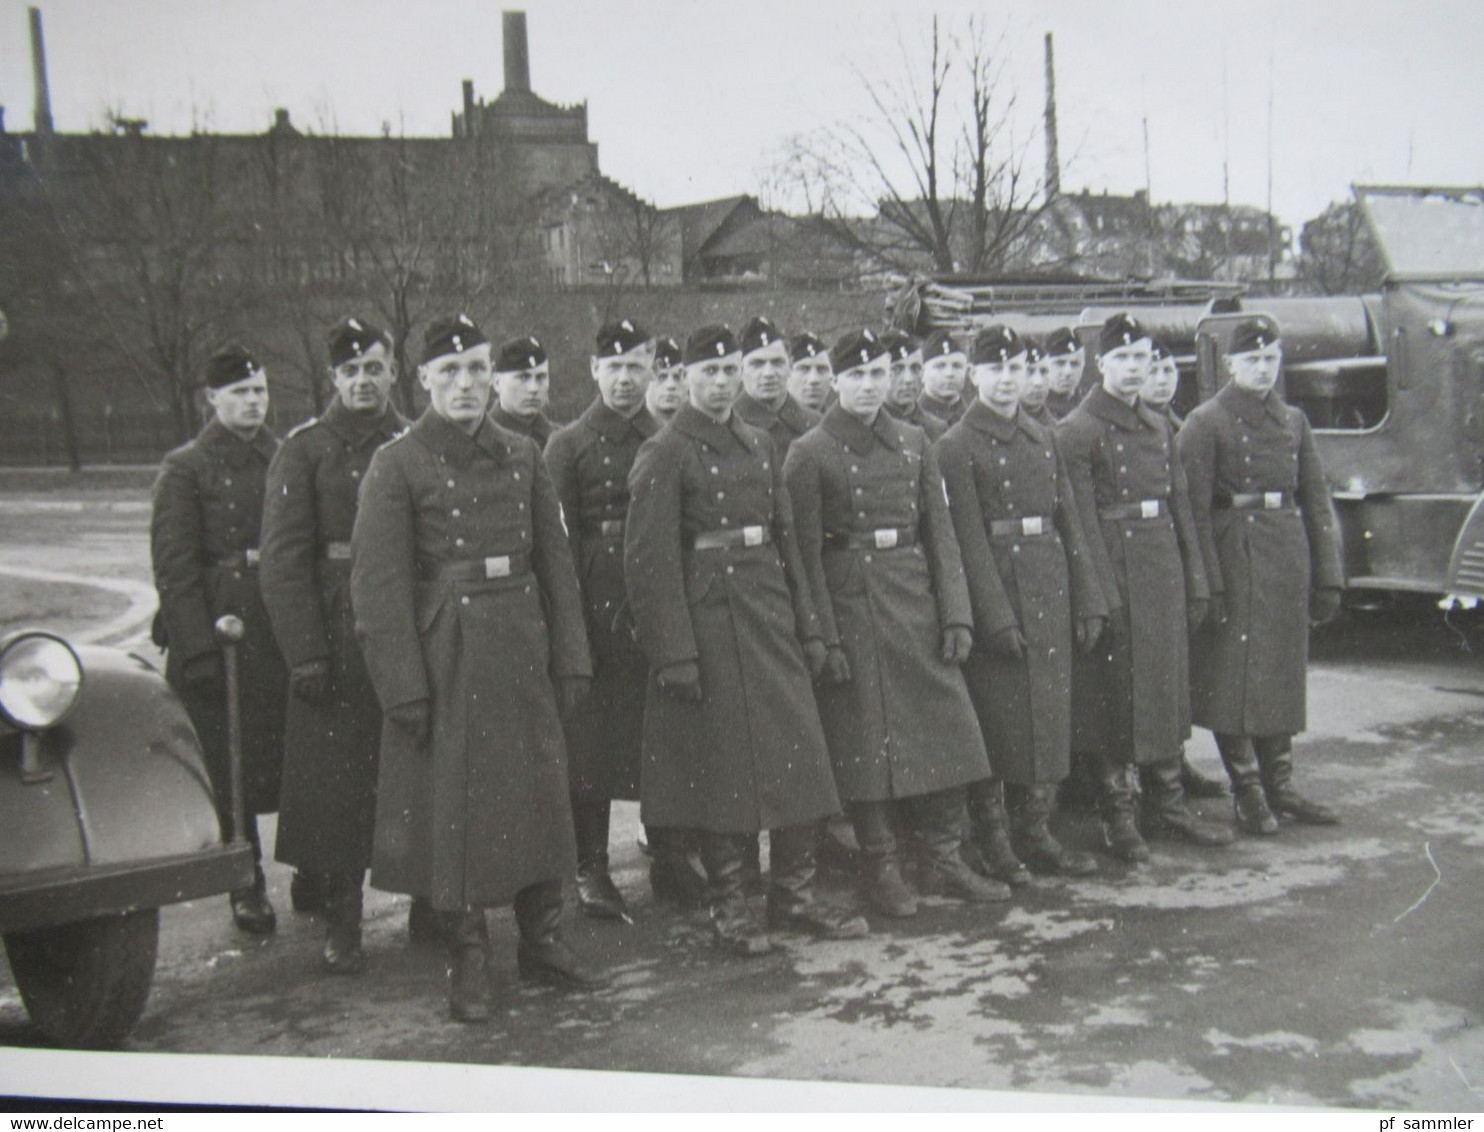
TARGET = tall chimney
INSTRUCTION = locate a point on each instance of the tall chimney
(517, 57)
(38, 69)
(1053, 162)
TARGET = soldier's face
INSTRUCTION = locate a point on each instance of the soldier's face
(862, 389)
(1036, 386)
(1124, 369)
(906, 381)
(715, 383)
(1257, 370)
(623, 379)
(1164, 377)
(243, 405)
(999, 383)
(524, 392)
(364, 383)
(1065, 371)
(458, 385)
(809, 381)
(944, 377)
(765, 372)
(666, 392)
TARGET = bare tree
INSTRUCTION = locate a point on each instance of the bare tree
(1338, 254)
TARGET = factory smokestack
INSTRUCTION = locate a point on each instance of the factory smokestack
(38, 69)
(517, 57)
(1053, 161)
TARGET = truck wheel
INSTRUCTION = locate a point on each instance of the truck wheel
(85, 984)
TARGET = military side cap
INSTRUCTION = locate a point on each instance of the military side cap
(759, 333)
(352, 337)
(857, 348)
(899, 344)
(939, 344)
(1033, 352)
(615, 338)
(1254, 334)
(451, 335)
(709, 342)
(229, 365)
(1158, 351)
(1062, 342)
(804, 346)
(1120, 330)
(667, 352)
(996, 344)
(525, 352)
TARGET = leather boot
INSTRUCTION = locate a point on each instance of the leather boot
(672, 877)
(1249, 803)
(791, 902)
(1116, 808)
(1275, 757)
(989, 829)
(1081, 790)
(731, 923)
(424, 926)
(882, 885)
(543, 955)
(307, 891)
(468, 939)
(838, 851)
(342, 953)
(1030, 832)
(251, 911)
(597, 895)
(1196, 784)
(938, 830)
(1167, 813)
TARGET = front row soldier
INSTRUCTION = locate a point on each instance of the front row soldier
(1132, 695)
(732, 739)
(333, 729)
(204, 528)
(1033, 588)
(809, 379)
(523, 389)
(887, 584)
(1066, 358)
(945, 371)
(470, 620)
(1268, 532)
(666, 393)
(905, 354)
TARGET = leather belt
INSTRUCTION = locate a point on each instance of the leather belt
(481, 569)
(247, 560)
(1144, 509)
(1254, 501)
(882, 538)
(336, 552)
(1029, 527)
(608, 528)
(742, 536)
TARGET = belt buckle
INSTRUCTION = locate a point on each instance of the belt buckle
(886, 538)
(1149, 508)
(250, 556)
(498, 567)
(752, 536)
(1031, 525)
(1272, 500)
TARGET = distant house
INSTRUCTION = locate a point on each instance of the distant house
(595, 231)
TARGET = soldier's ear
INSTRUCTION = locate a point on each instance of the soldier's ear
(593, 367)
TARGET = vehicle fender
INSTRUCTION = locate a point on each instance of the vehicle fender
(1466, 564)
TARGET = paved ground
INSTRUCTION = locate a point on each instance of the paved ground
(1335, 967)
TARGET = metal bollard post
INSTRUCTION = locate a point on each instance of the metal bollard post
(229, 631)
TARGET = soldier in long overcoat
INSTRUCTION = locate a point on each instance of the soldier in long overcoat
(732, 739)
(1268, 532)
(905, 353)
(1035, 386)
(883, 567)
(809, 373)
(333, 730)
(207, 513)
(523, 389)
(666, 393)
(1033, 588)
(945, 371)
(765, 401)
(468, 612)
(1131, 705)
(1066, 358)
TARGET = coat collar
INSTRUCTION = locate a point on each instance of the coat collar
(444, 438)
(698, 426)
(1250, 408)
(986, 420)
(232, 448)
(356, 430)
(860, 437)
(1100, 403)
(1042, 416)
(538, 428)
(603, 420)
(940, 409)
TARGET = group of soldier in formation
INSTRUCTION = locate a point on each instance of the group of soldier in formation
(895, 587)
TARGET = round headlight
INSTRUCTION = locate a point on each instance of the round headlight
(40, 677)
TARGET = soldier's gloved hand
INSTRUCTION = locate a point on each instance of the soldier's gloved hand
(1218, 613)
(414, 718)
(1008, 644)
(837, 666)
(682, 681)
(572, 690)
(1195, 612)
(815, 654)
(1324, 606)
(310, 681)
(958, 642)
(1088, 630)
(203, 671)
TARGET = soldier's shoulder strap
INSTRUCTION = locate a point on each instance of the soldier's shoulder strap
(302, 426)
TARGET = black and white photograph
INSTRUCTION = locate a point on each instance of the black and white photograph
(723, 555)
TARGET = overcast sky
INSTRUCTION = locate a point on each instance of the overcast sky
(692, 99)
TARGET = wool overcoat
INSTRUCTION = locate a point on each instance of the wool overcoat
(784, 424)
(931, 425)
(949, 412)
(752, 754)
(538, 428)
(481, 810)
